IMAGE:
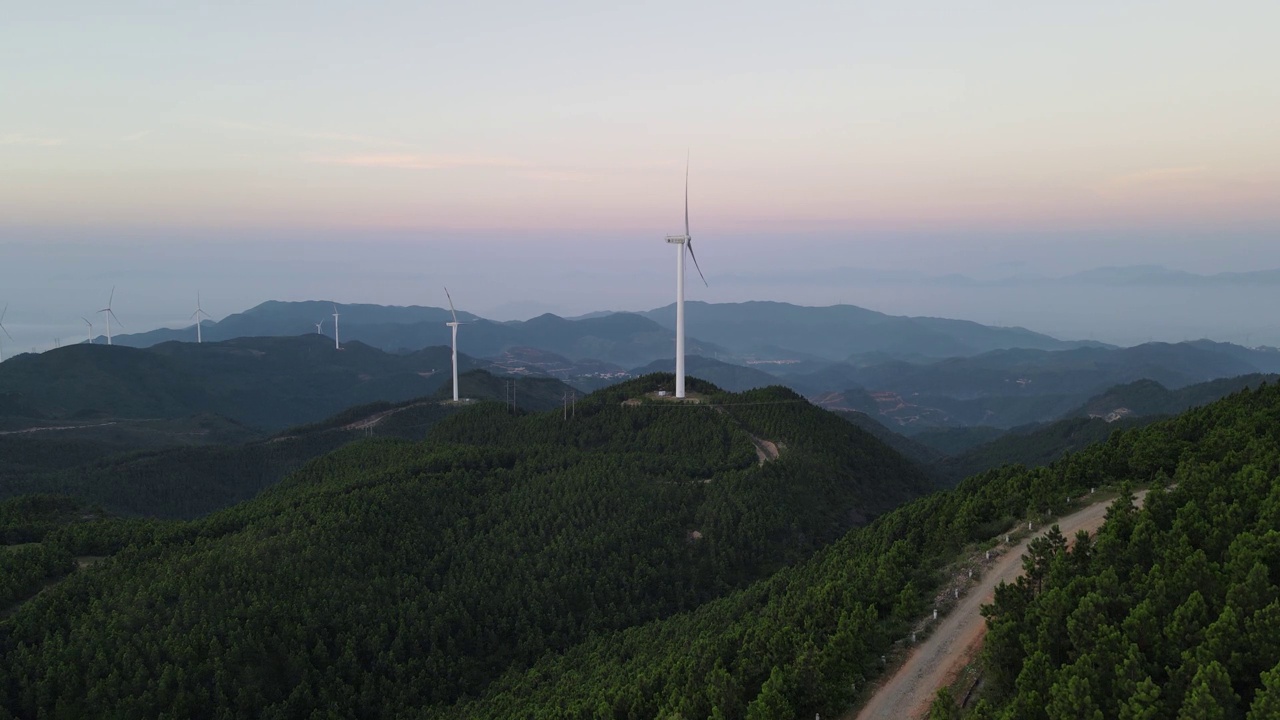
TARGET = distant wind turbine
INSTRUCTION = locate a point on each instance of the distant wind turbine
(454, 325)
(684, 242)
(110, 314)
(6, 331)
(336, 344)
(196, 315)
(320, 327)
(86, 322)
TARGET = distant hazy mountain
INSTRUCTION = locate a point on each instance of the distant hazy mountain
(839, 331)
(276, 318)
(1150, 398)
(1122, 407)
(622, 339)
(1008, 388)
(1039, 372)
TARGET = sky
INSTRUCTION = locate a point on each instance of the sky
(533, 157)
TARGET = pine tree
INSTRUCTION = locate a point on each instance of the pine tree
(771, 703)
(1210, 696)
(1266, 703)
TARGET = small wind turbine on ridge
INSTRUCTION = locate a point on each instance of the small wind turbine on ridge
(454, 325)
(320, 327)
(110, 313)
(336, 344)
(86, 322)
(6, 330)
(196, 315)
(683, 242)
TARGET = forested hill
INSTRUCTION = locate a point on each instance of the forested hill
(390, 577)
(268, 383)
(1172, 612)
(189, 481)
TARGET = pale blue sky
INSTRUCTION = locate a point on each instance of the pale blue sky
(515, 146)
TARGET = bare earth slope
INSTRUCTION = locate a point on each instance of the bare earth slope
(939, 658)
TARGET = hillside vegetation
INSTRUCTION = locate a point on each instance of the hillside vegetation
(1172, 611)
(190, 481)
(393, 575)
(642, 561)
(263, 383)
(808, 639)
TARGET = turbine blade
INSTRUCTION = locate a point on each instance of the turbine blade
(451, 310)
(112, 297)
(113, 312)
(686, 195)
(6, 332)
(4, 311)
(689, 244)
(86, 321)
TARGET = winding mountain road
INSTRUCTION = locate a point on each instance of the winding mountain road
(939, 659)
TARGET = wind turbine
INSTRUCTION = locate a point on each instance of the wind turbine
(196, 315)
(454, 325)
(683, 242)
(6, 330)
(110, 313)
(336, 346)
(320, 327)
(86, 322)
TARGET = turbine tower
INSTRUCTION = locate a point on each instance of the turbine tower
(454, 325)
(197, 315)
(86, 322)
(336, 344)
(6, 331)
(682, 243)
(110, 313)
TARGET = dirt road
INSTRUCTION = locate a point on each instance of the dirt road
(958, 637)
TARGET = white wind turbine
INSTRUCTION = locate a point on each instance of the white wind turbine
(336, 344)
(454, 325)
(683, 242)
(110, 313)
(6, 331)
(320, 327)
(86, 322)
(196, 315)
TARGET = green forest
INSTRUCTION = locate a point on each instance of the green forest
(1172, 611)
(647, 560)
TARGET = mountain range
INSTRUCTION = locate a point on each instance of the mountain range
(769, 330)
(894, 381)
